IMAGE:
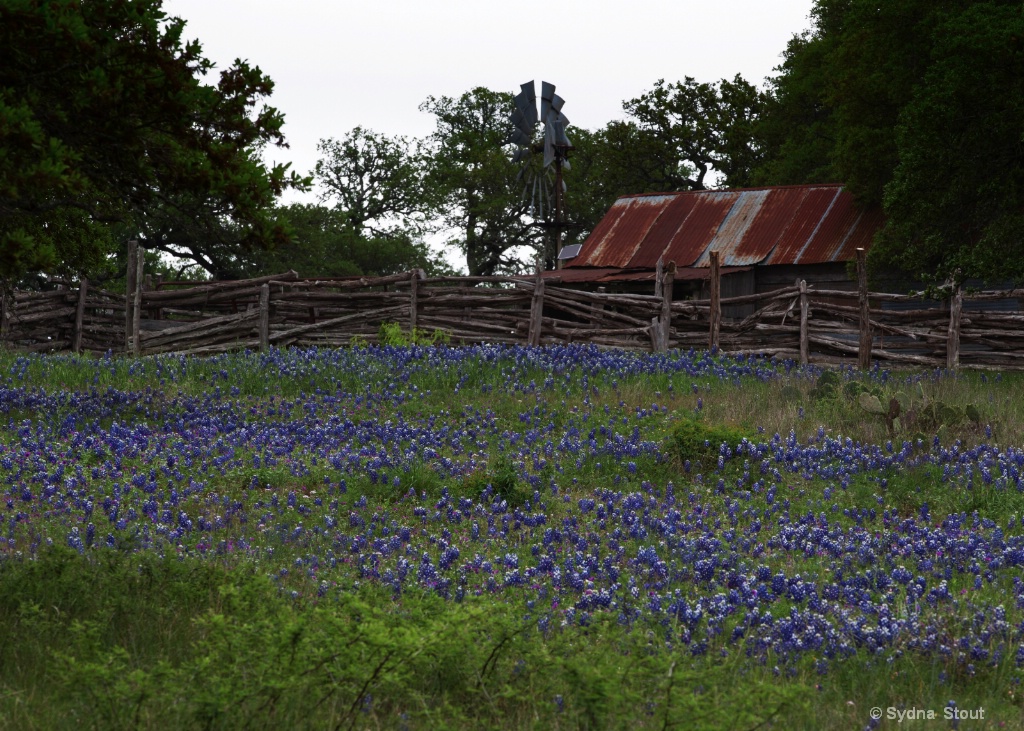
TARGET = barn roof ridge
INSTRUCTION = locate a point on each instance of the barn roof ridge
(792, 186)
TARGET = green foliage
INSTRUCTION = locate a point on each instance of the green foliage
(238, 654)
(503, 479)
(827, 386)
(473, 181)
(375, 181)
(324, 243)
(105, 120)
(797, 129)
(377, 217)
(695, 441)
(964, 115)
(391, 333)
(904, 102)
(687, 129)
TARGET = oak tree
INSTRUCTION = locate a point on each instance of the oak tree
(106, 118)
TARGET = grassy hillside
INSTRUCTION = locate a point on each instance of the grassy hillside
(420, 537)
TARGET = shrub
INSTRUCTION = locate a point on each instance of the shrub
(694, 441)
(503, 479)
(391, 333)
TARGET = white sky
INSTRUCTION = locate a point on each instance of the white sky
(337, 64)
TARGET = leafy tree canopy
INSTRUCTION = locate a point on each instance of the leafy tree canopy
(105, 119)
(956, 197)
(682, 132)
(375, 180)
(469, 170)
(918, 106)
(326, 244)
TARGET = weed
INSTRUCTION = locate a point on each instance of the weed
(391, 333)
(696, 442)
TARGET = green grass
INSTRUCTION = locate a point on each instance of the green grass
(186, 645)
(122, 639)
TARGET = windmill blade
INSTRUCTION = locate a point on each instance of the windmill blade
(539, 192)
(522, 105)
(547, 93)
(519, 137)
(521, 123)
(561, 139)
(523, 153)
(555, 139)
(526, 100)
(549, 141)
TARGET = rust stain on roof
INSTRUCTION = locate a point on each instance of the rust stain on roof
(832, 229)
(694, 234)
(614, 245)
(801, 224)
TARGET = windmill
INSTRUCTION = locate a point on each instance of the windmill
(543, 189)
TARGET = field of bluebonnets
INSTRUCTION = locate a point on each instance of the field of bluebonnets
(495, 537)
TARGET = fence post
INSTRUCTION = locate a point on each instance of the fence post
(805, 345)
(956, 304)
(465, 310)
(665, 321)
(536, 310)
(140, 260)
(414, 281)
(264, 317)
(83, 290)
(600, 307)
(129, 289)
(658, 270)
(3, 313)
(716, 302)
(864, 347)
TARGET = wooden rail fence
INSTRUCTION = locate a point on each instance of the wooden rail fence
(797, 322)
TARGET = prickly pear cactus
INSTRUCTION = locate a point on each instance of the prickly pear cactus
(870, 403)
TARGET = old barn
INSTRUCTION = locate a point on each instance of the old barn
(766, 238)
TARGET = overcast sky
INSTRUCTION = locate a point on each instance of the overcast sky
(337, 64)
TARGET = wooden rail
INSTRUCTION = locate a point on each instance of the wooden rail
(796, 322)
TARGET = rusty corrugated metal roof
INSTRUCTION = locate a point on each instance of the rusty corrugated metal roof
(628, 222)
(832, 229)
(800, 224)
(613, 274)
(693, 234)
(587, 274)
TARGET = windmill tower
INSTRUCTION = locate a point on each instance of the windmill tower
(545, 190)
